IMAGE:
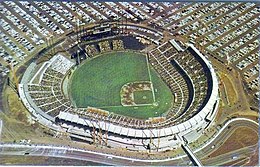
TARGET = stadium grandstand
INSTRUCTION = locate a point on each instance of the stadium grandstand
(186, 72)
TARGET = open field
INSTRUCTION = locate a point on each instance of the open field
(97, 83)
(230, 91)
(28, 160)
(17, 125)
(254, 159)
(241, 137)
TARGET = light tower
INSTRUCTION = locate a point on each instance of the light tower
(78, 30)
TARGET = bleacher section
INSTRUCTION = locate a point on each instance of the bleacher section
(104, 46)
(187, 73)
(187, 77)
(48, 95)
(184, 75)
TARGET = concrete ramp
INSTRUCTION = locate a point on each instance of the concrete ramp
(191, 155)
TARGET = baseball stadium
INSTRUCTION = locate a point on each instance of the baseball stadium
(123, 85)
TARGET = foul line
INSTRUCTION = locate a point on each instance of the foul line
(150, 77)
(138, 105)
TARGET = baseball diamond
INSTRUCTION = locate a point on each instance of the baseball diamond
(98, 83)
(115, 88)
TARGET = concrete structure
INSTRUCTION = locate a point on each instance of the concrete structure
(106, 130)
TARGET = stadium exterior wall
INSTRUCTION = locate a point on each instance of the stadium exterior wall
(199, 121)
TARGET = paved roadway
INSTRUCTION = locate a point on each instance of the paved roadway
(73, 153)
(228, 157)
(227, 132)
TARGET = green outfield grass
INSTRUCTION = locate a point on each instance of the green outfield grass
(97, 83)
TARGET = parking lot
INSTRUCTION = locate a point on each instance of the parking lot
(228, 31)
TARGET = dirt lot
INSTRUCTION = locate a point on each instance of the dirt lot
(254, 159)
(240, 138)
(24, 160)
(230, 90)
